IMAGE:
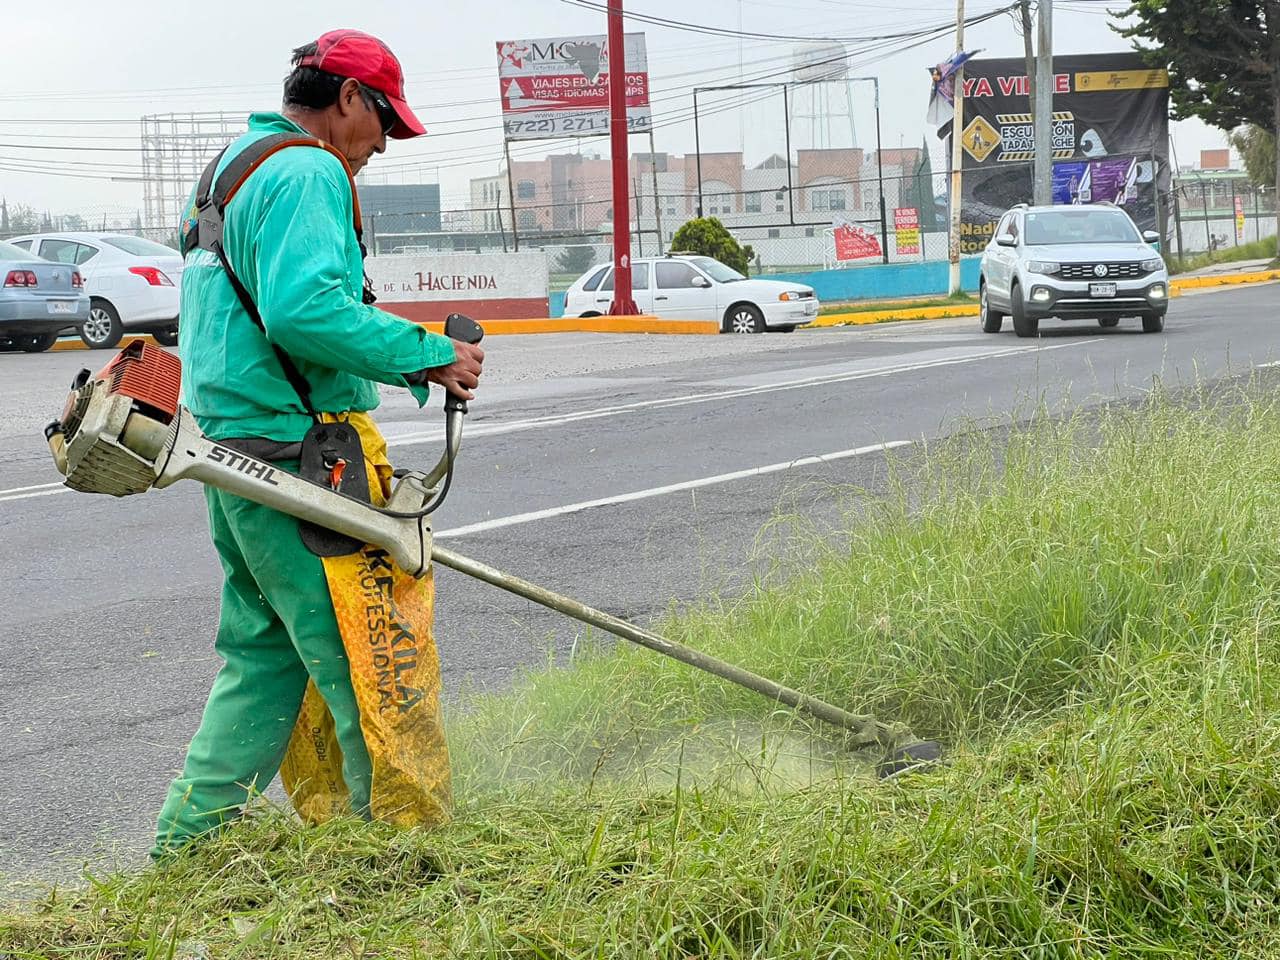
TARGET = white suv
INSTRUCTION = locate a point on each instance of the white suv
(689, 287)
(1086, 260)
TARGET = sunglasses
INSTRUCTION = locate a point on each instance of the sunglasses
(386, 113)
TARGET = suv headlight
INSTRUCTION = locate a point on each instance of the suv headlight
(1151, 266)
(1043, 266)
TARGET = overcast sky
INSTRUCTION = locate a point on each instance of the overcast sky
(111, 62)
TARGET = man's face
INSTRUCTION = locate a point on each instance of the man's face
(359, 131)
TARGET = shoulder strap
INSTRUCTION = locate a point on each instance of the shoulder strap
(212, 197)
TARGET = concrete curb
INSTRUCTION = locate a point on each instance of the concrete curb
(1178, 284)
(507, 327)
(859, 318)
(645, 324)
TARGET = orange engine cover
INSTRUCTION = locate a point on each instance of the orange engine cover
(149, 375)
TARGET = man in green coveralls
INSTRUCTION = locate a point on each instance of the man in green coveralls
(290, 238)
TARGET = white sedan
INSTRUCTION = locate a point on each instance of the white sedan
(132, 283)
(686, 287)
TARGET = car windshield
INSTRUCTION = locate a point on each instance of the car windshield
(9, 252)
(1080, 226)
(716, 270)
(140, 247)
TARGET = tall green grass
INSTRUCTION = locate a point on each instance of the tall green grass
(1086, 612)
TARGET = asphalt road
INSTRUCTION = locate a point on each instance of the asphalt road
(110, 606)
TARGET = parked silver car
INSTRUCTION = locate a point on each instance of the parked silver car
(39, 300)
(1085, 260)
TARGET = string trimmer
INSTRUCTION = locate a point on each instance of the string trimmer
(124, 432)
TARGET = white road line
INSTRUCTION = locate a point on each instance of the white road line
(6, 496)
(38, 486)
(519, 518)
(515, 426)
(494, 429)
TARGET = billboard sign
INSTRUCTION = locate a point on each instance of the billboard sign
(906, 230)
(560, 87)
(427, 288)
(1239, 220)
(1110, 139)
(852, 241)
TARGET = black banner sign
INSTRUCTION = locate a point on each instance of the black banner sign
(1110, 139)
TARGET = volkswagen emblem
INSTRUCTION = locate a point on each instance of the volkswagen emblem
(1100, 270)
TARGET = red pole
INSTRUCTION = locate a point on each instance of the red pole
(623, 304)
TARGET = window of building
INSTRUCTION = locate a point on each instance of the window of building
(808, 231)
(526, 190)
(753, 203)
(527, 220)
(774, 233)
(674, 275)
(827, 199)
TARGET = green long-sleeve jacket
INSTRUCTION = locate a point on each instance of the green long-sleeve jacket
(290, 239)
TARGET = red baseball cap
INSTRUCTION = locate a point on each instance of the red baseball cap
(350, 53)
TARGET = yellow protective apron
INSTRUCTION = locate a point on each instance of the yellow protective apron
(385, 617)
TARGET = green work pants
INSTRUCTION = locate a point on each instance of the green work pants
(277, 629)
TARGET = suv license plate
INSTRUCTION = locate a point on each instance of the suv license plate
(62, 306)
(1102, 289)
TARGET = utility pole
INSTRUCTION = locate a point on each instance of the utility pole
(1043, 192)
(623, 303)
(1029, 52)
(957, 155)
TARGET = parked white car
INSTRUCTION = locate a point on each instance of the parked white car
(132, 283)
(689, 287)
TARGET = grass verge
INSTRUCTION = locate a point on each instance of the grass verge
(1087, 614)
(1257, 250)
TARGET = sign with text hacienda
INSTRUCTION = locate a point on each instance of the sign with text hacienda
(495, 286)
(1110, 139)
(560, 87)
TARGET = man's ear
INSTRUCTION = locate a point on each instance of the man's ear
(349, 99)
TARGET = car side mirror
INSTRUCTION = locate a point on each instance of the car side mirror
(1151, 237)
(701, 282)
(1006, 240)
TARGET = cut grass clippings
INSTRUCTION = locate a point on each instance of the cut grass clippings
(1087, 614)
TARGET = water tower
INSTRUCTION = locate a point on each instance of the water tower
(822, 97)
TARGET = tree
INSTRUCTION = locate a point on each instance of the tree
(576, 260)
(1258, 148)
(73, 222)
(707, 236)
(1223, 57)
(23, 219)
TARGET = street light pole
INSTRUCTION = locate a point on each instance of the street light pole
(623, 304)
(1043, 190)
(957, 156)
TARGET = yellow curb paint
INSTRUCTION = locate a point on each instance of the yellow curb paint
(639, 324)
(1178, 284)
(79, 344)
(884, 316)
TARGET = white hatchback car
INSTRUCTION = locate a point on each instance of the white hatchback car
(132, 283)
(690, 287)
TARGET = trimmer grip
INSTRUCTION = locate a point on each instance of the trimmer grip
(458, 327)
